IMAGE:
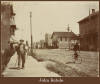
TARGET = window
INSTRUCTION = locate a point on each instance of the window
(60, 38)
(65, 38)
(12, 29)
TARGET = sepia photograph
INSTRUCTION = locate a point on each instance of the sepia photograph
(50, 39)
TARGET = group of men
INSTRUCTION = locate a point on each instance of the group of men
(21, 50)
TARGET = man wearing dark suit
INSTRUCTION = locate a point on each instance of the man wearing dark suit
(21, 54)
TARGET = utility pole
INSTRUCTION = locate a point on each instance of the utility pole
(68, 29)
(31, 31)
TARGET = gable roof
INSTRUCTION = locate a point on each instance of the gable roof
(63, 34)
(91, 15)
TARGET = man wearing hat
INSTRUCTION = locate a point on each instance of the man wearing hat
(21, 53)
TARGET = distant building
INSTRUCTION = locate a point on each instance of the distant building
(63, 39)
(35, 45)
(48, 40)
(42, 44)
(39, 45)
(89, 31)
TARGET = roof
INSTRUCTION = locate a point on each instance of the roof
(91, 15)
(64, 34)
(7, 6)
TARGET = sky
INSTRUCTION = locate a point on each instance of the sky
(50, 16)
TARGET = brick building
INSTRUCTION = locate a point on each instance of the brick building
(7, 24)
(64, 39)
(89, 31)
(8, 28)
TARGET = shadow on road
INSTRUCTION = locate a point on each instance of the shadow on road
(13, 68)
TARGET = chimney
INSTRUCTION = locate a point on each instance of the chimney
(93, 11)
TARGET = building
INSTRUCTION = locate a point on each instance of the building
(42, 44)
(39, 45)
(64, 39)
(89, 31)
(7, 24)
(36, 45)
(8, 28)
(48, 40)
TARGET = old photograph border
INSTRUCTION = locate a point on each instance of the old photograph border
(64, 80)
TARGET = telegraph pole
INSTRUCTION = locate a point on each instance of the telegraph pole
(68, 29)
(31, 31)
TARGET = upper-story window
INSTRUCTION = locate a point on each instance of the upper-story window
(12, 21)
(12, 29)
(65, 38)
(12, 25)
(60, 38)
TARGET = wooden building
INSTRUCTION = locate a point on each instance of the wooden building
(64, 39)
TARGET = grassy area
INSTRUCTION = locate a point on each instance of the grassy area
(88, 67)
(65, 70)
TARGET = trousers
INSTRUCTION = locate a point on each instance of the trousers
(21, 57)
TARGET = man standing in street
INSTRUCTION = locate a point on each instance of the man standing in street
(21, 54)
